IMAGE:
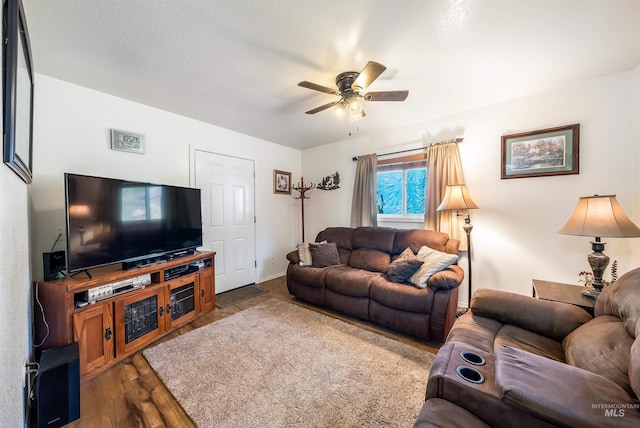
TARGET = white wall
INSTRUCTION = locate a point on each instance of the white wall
(71, 134)
(515, 234)
(15, 292)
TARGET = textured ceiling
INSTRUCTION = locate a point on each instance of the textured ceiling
(236, 63)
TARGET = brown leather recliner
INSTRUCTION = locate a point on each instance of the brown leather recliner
(541, 363)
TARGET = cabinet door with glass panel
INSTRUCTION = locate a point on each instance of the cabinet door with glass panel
(180, 307)
(140, 318)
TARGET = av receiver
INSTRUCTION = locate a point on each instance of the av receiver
(109, 290)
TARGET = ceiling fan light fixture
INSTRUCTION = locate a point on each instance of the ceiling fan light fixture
(340, 112)
(355, 108)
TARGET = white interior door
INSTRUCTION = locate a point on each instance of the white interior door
(228, 216)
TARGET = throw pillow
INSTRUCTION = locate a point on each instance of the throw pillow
(434, 261)
(304, 254)
(404, 266)
(324, 254)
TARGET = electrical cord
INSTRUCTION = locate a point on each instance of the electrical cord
(44, 319)
(56, 241)
(32, 369)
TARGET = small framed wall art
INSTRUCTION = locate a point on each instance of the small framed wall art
(552, 151)
(127, 141)
(281, 182)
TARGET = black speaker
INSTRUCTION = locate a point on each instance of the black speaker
(57, 386)
(53, 265)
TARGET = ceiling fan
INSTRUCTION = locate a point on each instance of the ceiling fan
(350, 84)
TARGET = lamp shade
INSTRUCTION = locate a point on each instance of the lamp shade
(600, 216)
(456, 197)
(79, 211)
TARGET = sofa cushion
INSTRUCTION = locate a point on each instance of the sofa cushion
(558, 393)
(607, 356)
(434, 261)
(621, 299)
(416, 238)
(377, 238)
(439, 413)
(350, 282)
(399, 296)
(340, 235)
(324, 254)
(519, 338)
(634, 367)
(475, 332)
(369, 259)
(404, 266)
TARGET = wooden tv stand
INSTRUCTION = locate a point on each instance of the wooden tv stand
(108, 329)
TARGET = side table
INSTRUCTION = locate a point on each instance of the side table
(565, 293)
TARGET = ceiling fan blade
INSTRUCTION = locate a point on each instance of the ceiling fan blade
(324, 107)
(386, 96)
(369, 73)
(317, 87)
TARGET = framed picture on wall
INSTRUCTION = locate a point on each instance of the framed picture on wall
(552, 151)
(18, 91)
(281, 182)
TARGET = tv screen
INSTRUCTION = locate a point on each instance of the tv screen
(111, 221)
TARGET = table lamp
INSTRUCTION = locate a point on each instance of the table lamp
(456, 197)
(599, 216)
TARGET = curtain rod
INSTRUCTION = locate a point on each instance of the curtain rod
(453, 140)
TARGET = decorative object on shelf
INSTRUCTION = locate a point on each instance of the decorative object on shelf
(281, 182)
(126, 141)
(599, 216)
(586, 278)
(330, 182)
(18, 92)
(302, 190)
(552, 151)
(456, 197)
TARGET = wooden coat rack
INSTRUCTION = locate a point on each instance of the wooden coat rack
(302, 190)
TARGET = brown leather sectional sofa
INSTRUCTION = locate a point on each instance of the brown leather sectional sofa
(541, 363)
(358, 285)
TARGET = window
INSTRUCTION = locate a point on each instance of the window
(141, 203)
(401, 186)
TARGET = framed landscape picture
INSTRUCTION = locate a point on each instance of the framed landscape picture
(552, 151)
(281, 182)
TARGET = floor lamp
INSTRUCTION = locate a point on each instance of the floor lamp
(456, 197)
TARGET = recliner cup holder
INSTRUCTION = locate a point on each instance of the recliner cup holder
(470, 374)
(472, 358)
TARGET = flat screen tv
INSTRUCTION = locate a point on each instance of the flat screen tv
(116, 221)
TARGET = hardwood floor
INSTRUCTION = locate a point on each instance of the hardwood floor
(130, 394)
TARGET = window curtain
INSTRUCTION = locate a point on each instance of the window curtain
(443, 168)
(364, 207)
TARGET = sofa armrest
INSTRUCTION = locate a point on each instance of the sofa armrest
(449, 278)
(561, 394)
(293, 257)
(550, 319)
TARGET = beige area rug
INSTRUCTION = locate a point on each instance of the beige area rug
(281, 365)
